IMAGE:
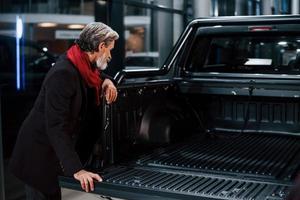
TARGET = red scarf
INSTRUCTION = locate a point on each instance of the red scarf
(91, 76)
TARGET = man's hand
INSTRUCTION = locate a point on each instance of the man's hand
(87, 179)
(110, 91)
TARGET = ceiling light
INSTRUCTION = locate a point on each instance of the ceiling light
(47, 25)
(101, 2)
(76, 26)
(282, 43)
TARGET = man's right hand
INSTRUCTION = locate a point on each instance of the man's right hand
(87, 179)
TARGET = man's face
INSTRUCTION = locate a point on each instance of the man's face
(103, 55)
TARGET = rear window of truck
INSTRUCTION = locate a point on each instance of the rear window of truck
(271, 54)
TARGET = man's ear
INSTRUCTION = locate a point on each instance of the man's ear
(101, 46)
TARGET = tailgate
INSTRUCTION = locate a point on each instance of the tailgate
(152, 183)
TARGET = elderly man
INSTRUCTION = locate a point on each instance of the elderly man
(45, 146)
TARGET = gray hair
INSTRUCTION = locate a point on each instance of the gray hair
(93, 34)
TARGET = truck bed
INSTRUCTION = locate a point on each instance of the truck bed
(258, 156)
(236, 167)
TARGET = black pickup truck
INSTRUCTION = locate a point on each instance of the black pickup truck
(219, 120)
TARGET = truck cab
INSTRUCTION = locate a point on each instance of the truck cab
(219, 120)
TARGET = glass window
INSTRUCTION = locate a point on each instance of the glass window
(5, 58)
(149, 35)
(162, 3)
(246, 54)
(7, 67)
(37, 62)
(84, 7)
(34, 63)
(36, 59)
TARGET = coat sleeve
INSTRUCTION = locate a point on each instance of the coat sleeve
(59, 89)
(104, 76)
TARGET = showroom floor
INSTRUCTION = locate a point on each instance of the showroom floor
(68, 194)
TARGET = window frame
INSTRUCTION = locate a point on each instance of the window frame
(187, 51)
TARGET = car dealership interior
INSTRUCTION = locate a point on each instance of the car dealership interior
(159, 49)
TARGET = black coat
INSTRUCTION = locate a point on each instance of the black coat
(45, 144)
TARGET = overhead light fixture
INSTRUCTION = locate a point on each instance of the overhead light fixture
(19, 27)
(101, 2)
(283, 43)
(47, 24)
(76, 26)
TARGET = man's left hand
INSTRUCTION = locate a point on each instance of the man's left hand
(110, 91)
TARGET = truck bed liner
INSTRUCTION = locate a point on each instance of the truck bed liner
(235, 168)
(200, 185)
(274, 157)
(142, 183)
